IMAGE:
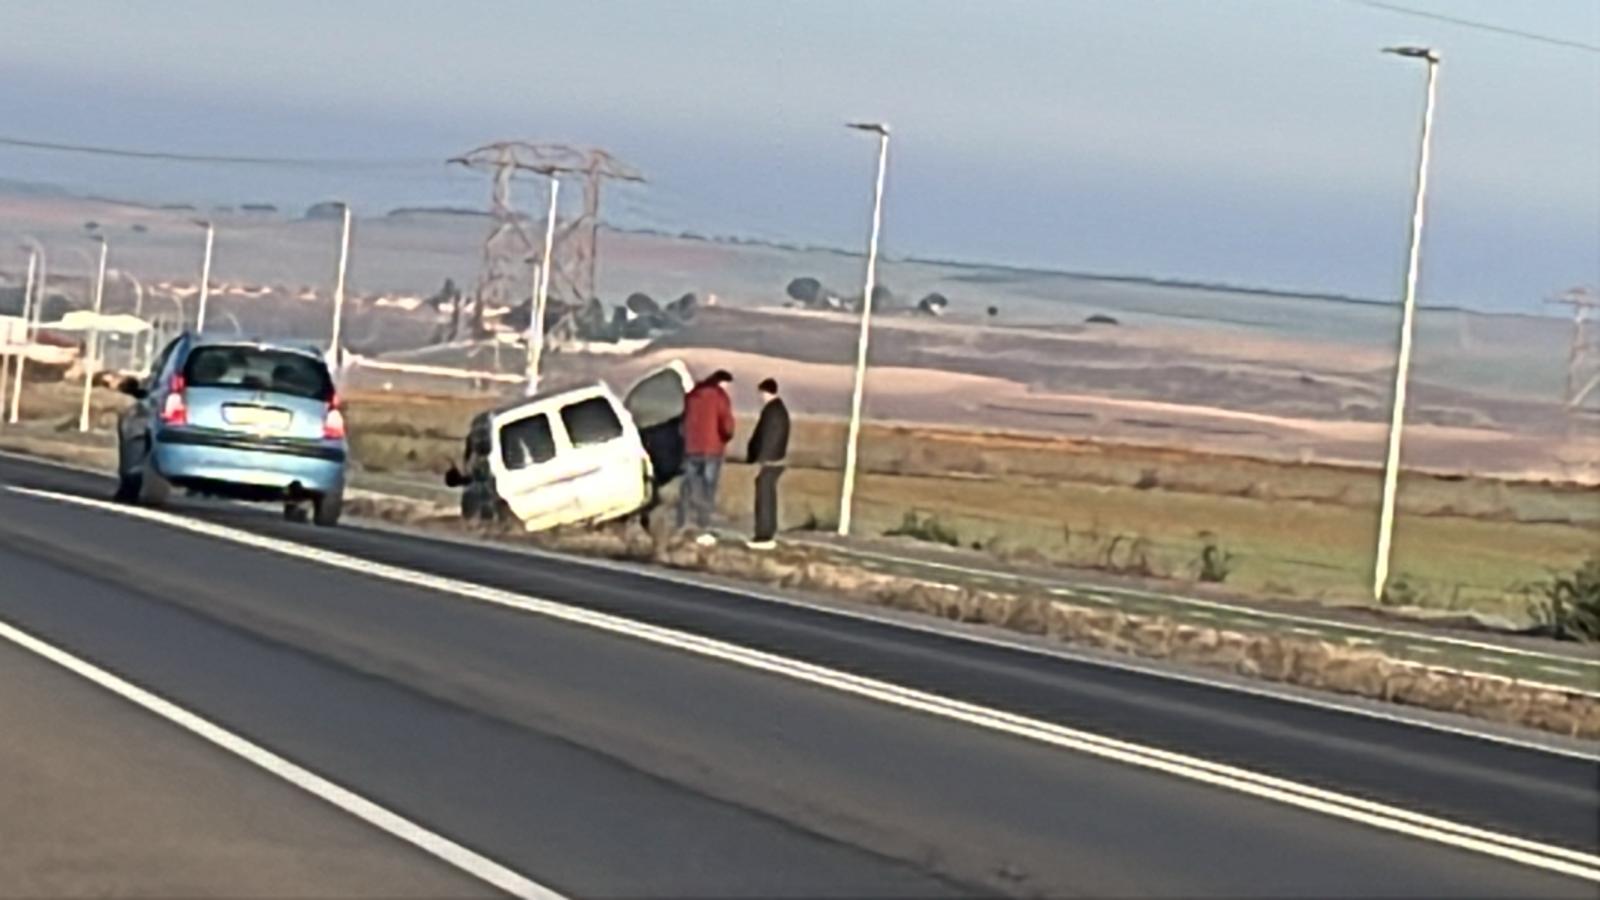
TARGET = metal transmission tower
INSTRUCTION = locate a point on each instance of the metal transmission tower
(509, 247)
(1583, 357)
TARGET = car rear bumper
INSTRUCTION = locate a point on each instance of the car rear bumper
(216, 460)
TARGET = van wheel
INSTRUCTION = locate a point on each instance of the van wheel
(328, 508)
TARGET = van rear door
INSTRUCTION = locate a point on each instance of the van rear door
(656, 404)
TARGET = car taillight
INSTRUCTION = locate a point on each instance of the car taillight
(333, 421)
(175, 410)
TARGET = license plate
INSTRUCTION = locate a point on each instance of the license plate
(256, 418)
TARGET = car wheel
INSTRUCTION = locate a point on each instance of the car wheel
(128, 486)
(328, 508)
(153, 490)
(296, 511)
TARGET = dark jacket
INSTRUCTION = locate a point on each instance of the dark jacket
(769, 444)
(707, 421)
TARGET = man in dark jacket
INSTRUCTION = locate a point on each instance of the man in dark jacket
(769, 449)
(707, 429)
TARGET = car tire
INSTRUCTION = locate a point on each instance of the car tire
(153, 490)
(128, 486)
(327, 509)
(297, 511)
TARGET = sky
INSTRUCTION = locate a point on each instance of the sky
(1259, 142)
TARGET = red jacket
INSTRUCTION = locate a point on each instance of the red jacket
(707, 421)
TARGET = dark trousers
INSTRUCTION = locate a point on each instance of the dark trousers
(767, 502)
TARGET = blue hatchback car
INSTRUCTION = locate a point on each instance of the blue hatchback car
(250, 420)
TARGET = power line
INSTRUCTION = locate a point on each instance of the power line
(171, 156)
(1482, 26)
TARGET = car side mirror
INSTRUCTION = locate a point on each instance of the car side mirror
(132, 388)
(454, 478)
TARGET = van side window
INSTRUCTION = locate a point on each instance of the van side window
(527, 442)
(591, 421)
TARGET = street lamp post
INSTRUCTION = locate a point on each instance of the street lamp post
(27, 298)
(205, 275)
(91, 343)
(851, 449)
(1391, 468)
(338, 288)
(31, 313)
(541, 295)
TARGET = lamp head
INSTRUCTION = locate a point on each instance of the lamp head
(874, 127)
(1427, 53)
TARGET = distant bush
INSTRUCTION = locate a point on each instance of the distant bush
(814, 522)
(1570, 607)
(1214, 564)
(806, 290)
(925, 527)
(1401, 591)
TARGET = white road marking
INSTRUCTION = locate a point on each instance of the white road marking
(1557, 670)
(945, 629)
(910, 622)
(1423, 648)
(1354, 809)
(474, 864)
(1229, 608)
(1314, 632)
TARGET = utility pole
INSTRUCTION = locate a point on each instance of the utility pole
(852, 444)
(31, 313)
(1391, 468)
(334, 350)
(27, 299)
(91, 345)
(1583, 355)
(508, 245)
(541, 294)
(205, 276)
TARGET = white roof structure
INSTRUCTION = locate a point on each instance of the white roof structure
(85, 320)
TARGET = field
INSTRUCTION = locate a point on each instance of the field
(1246, 422)
(1294, 531)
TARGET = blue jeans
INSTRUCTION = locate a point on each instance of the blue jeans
(698, 494)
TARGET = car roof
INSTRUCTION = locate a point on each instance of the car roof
(590, 388)
(305, 348)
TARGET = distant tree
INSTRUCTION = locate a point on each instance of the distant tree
(642, 304)
(933, 304)
(327, 209)
(91, 226)
(1101, 319)
(684, 308)
(994, 312)
(258, 208)
(806, 290)
(140, 228)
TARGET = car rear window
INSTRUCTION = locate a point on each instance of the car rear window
(258, 369)
(591, 421)
(527, 442)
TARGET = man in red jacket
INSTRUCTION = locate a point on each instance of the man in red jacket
(707, 429)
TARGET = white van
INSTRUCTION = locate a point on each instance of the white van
(574, 456)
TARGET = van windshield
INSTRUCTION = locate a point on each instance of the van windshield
(258, 369)
(591, 421)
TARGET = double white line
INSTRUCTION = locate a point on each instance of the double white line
(1377, 815)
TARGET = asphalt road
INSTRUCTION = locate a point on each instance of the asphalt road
(603, 765)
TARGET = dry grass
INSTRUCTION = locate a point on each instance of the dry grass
(1295, 531)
